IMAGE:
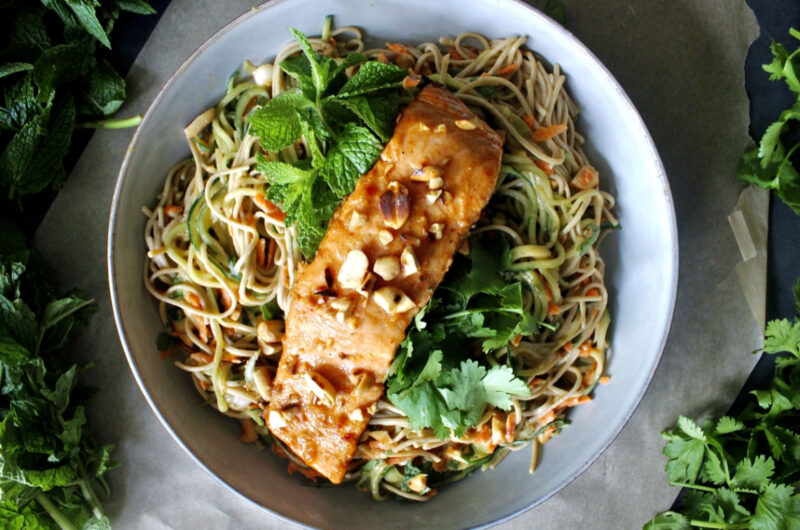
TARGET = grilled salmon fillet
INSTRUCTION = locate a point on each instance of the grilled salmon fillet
(387, 247)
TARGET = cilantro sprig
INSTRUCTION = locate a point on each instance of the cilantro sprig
(434, 380)
(769, 164)
(743, 471)
(343, 120)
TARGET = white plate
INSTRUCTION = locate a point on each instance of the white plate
(642, 262)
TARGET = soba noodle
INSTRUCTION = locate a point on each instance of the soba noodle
(223, 296)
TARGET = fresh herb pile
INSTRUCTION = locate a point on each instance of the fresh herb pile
(744, 471)
(343, 121)
(51, 470)
(433, 379)
(52, 76)
(769, 164)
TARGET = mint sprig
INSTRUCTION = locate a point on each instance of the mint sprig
(343, 121)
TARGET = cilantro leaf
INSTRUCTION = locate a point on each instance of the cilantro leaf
(753, 474)
(796, 292)
(727, 425)
(500, 384)
(778, 508)
(668, 521)
(782, 336)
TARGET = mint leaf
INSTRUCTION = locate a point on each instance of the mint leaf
(304, 197)
(355, 152)
(372, 77)
(85, 13)
(106, 91)
(140, 7)
(13, 68)
(276, 123)
(378, 111)
(319, 65)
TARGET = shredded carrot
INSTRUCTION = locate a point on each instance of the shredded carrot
(575, 401)
(250, 105)
(454, 54)
(542, 134)
(547, 418)
(544, 166)
(173, 210)
(604, 380)
(547, 434)
(516, 340)
(164, 354)
(308, 473)
(397, 460)
(536, 381)
(549, 292)
(227, 300)
(553, 309)
(201, 357)
(382, 58)
(249, 434)
(410, 81)
(271, 252)
(193, 300)
(261, 253)
(270, 208)
(568, 346)
(510, 69)
(586, 179)
(275, 448)
(593, 292)
(484, 74)
(396, 47)
(529, 121)
(203, 384)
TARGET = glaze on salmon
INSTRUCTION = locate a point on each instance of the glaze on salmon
(386, 250)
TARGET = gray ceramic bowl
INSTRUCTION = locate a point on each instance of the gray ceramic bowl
(642, 262)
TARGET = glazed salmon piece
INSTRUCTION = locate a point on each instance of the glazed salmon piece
(386, 249)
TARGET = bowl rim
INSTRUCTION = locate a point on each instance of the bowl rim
(580, 49)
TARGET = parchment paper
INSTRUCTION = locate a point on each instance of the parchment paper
(681, 62)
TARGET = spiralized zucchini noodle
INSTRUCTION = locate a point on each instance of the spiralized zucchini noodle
(221, 261)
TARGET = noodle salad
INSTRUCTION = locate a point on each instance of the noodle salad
(522, 308)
